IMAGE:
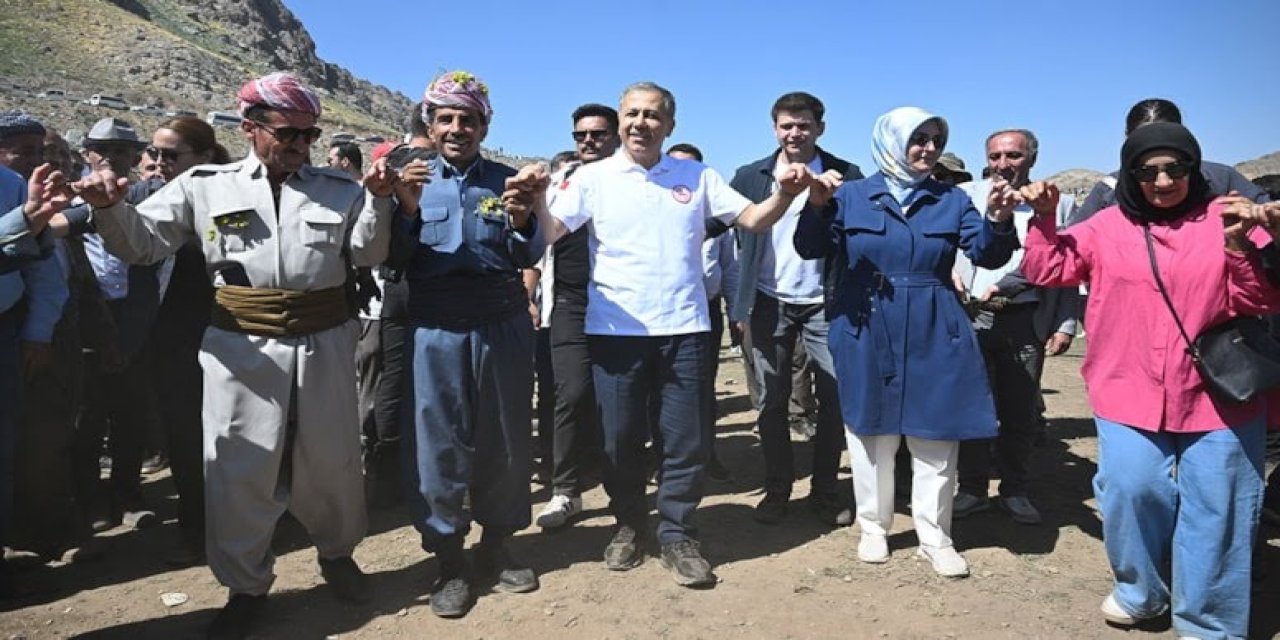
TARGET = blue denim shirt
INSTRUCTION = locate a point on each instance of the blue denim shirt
(462, 257)
(41, 281)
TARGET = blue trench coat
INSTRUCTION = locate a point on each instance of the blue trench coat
(907, 361)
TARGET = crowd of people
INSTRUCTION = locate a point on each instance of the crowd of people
(319, 340)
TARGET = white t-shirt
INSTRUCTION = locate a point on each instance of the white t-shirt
(646, 233)
(783, 273)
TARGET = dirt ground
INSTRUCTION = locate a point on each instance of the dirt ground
(796, 580)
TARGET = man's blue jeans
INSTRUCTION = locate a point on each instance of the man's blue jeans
(1179, 513)
(630, 373)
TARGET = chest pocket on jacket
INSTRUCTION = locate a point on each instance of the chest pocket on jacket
(940, 227)
(491, 232)
(435, 226)
(233, 226)
(322, 227)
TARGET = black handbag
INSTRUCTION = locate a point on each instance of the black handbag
(1237, 359)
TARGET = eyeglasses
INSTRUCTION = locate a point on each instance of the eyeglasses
(288, 134)
(1149, 172)
(1012, 155)
(597, 134)
(168, 155)
(922, 139)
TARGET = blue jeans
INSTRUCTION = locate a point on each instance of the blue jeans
(630, 373)
(1182, 506)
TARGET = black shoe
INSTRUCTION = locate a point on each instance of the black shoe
(831, 510)
(101, 518)
(236, 620)
(347, 581)
(493, 560)
(688, 565)
(771, 510)
(717, 471)
(155, 464)
(623, 552)
(451, 594)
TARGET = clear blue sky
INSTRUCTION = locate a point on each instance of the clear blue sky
(1067, 70)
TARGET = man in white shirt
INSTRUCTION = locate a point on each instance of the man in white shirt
(1017, 324)
(647, 324)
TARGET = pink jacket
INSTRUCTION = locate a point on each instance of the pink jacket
(1137, 369)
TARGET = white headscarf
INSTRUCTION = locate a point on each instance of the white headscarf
(889, 145)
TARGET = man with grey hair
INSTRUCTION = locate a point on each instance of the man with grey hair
(1017, 324)
(647, 323)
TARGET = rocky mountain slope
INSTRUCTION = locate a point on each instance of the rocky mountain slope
(173, 55)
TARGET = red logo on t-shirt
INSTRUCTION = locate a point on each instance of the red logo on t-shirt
(564, 184)
(682, 194)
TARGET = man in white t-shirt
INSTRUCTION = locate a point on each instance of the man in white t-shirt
(779, 298)
(647, 324)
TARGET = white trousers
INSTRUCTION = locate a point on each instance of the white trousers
(933, 484)
(249, 384)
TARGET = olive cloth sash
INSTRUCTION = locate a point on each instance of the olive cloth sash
(278, 313)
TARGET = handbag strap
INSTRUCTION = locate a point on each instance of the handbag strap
(1155, 271)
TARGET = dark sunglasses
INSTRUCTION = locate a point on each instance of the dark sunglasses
(597, 134)
(1149, 173)
(288, 134)
(922, 139)
(168, 155)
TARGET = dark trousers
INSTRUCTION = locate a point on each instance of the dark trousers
(179, 381)
(576, 439)
(9, 385)
(380, 366)
(804, 403)
(716, 311)
(1014, 357)
(471, 426)
(48, 519)
(545, 392)
(629, 373)
(778, 329)
(123, 405)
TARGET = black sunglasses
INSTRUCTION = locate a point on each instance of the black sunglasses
(1149, 172)
(598, 134)
(168, 155)
(922, 139)
(288, 134)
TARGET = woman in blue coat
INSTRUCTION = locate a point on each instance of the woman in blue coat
(907, 363)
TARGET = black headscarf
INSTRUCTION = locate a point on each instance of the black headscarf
(1165, 136)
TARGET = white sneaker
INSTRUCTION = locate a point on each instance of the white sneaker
(1115, 614)
(945, 560)
(1020, 509)
(967, 504)
(558, 511)
(873, 549)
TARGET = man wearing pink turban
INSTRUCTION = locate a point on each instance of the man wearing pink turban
(279, 237)
(471, 351)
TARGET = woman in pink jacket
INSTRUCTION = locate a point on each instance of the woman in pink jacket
(1179, 479)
